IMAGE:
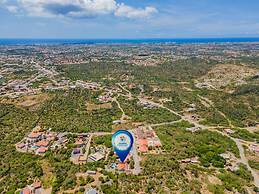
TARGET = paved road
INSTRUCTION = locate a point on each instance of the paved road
(243, 158)
(158, 105)
(135, 156)
(101, 133)
(87, 147)
(165, 123)
(196, 124)
(238, 143)
(245, 162)
(94, 134)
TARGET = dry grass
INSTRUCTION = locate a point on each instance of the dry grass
(126, 126)
(48, 176)
(31, 102)
(214, 180)
(226, 74)
(92, 107)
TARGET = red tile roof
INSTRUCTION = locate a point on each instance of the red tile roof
(143, 142)
(143, 145)
(42, 150)
(21, 145)
(122, 166)
(42, 143)
(26, 190)
(34, 135)
(79, 142)
(143, 148)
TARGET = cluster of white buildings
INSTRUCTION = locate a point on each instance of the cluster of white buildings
(39, 141)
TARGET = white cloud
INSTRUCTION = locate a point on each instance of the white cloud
(76, 8)
(131, 12)
(12, 8)
(52, 8)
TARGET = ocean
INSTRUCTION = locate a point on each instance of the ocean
(122, 41)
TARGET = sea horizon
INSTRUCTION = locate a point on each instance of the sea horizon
(74, 41)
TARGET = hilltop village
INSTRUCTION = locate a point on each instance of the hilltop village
(191, 108)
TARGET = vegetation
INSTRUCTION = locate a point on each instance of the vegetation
(171, 83)
(245, 135)
(166, 72)
(105, 140)
(240, 109)
(205, 144)
(247, 89)
(17, 169)
(68, 112)
(254, 164)
(139, 114)
(232, 182)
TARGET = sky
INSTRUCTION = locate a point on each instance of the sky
(128, 19)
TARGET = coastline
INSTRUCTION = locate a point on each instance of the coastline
(31, 42)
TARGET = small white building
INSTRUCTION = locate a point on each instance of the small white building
(91, 191)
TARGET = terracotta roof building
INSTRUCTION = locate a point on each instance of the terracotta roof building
(42, 143)
(20, 145)
(42, 150)
(34, 135)
(26, 190)
(143, 145)
(122, 166)
(79, 142)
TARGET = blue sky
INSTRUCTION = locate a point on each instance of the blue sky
(128, 18)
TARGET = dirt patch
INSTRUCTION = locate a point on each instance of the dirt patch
(48, 176)
(92, 107)
(204, 103)
(126, 126)
(252, 156)
(96, 177)
(31, 102)
(253, 129)
(214, 180)
(227, 74)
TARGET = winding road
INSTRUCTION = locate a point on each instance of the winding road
(245, 161)
(123, 116)
(243, 158)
